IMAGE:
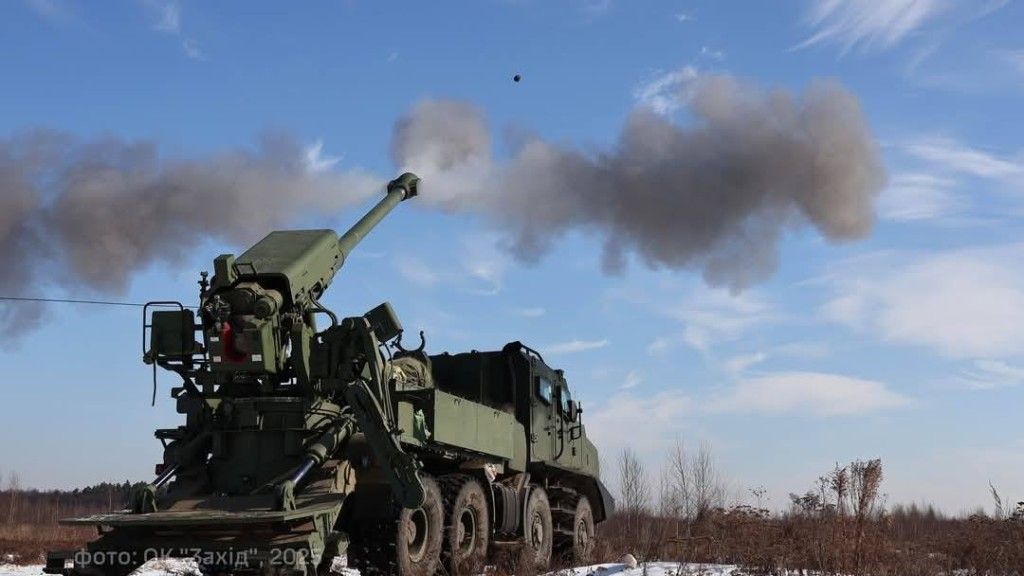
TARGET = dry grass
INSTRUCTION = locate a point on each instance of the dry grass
(897, 543)
(839, 527)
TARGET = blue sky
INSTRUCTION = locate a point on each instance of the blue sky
(903, 346)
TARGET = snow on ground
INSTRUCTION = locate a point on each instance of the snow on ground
(15, 570)
(178, 567)
(653, 569)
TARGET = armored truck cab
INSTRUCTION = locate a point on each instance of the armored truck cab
(545, 426)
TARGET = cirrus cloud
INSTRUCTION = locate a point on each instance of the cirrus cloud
(808, 393)
(574, 346)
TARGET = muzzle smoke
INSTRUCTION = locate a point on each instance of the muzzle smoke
(90, 214)
(715, 194)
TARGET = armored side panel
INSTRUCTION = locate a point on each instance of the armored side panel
(440, 420)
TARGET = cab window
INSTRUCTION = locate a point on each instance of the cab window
(565, 397)
(544, 389)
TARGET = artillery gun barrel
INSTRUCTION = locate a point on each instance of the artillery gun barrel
(401, 188)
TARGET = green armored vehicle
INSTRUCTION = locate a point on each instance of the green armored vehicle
(302, 444)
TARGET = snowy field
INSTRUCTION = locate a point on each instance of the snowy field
(189, 568)
(654, 569)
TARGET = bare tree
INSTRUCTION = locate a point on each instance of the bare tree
(666, 501)
(839, 482)
(707, 488)
(634, 485)
(13, 487)
(681, 492)
(635, 509)
(865, 481)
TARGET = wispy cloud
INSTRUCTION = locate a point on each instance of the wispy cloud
(663, 344)
(478, 270)
(417, 272)
(169, 22)
(992, 374)
(683, 17)
(575, 346)
(666, 92)
(170, 18)
(737, 365)
(962, 158)
(484, 265)
(191, 49)
(945, 179)
(315, 159)
(530, 312)
(712, 316)
(867, 25)
(712, 53)
(808, 393)
(963, 303)
(912, 196)
(632, 380)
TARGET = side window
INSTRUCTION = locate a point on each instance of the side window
(565, 396)
(544, 389)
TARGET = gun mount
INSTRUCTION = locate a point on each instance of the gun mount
(301, 444)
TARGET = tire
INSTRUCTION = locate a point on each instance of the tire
(583, 532)
(538, 531)
(409, 545)
(467, 524)
(420, 534)
(574, 525)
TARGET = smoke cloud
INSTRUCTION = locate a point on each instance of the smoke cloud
(97, 212)
(714, 195)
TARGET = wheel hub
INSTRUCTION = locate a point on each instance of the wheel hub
(416, 534)
(537, 531)
(582, 535)
(466, 531)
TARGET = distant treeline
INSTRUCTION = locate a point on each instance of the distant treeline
(32, 506)
(28, 517)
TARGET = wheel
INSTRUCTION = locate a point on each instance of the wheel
(574, 525)
(538, 529)
(409, 545)
(467, 525)
(584, 533)
(420, 534)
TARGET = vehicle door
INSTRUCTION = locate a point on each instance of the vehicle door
(544, 412)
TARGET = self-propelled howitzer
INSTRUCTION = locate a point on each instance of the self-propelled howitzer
(302, 443)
